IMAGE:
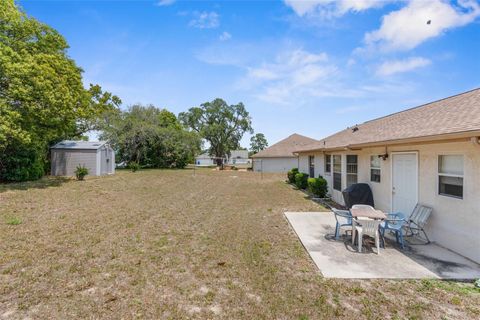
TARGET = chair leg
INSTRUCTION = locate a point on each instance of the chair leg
(400, 237)
(360, 241)
(353, 235)
(426, 237)
(382, 233)
(337, 229)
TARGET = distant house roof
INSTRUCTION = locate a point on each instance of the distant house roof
(79, 145)
(286, 147)
(449, 117)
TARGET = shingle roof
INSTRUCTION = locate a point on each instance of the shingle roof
(285, 147)
(81, 145)
(456, 114)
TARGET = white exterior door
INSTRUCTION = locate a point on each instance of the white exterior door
(404, 182)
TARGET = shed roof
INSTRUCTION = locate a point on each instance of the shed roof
(453, 115)
(79, 145)
(286, 147)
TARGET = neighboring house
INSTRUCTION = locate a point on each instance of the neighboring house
(429, 154)
(98, 157)
(204, 160)
(237, 157)
(280, 157)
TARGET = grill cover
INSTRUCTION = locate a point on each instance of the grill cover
(358, 193)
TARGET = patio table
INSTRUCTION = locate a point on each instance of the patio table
(368, 213)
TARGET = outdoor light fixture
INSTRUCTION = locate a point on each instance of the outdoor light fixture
(383, 156)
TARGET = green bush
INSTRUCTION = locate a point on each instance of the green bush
(301, 180)
(317, 186)
(81, 172)
(291, 175)
(134, 166)
(22, 163)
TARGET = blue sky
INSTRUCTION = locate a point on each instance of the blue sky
(310, 67)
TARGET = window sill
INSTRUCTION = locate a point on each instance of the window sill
(450, 196)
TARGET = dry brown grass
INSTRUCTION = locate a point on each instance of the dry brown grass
(162, 244)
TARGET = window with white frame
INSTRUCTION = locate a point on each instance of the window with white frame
(337, 172)
(352, 170)
(375, 168)
(328, 163)
(450, 175)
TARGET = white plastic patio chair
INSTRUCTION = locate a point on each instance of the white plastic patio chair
(367, 227)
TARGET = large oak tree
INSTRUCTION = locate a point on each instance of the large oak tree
(219, 123)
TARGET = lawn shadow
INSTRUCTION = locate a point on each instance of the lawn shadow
(43, 183)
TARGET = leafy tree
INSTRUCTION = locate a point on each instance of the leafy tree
(42, 98)
(258, 143)
(151, 137)
(222, 125)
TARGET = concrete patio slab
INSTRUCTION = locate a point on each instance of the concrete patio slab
(339, 259)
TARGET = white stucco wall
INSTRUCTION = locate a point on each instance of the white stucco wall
(454, 223)
(274, 165)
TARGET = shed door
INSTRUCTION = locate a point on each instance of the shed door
(105, 161)
(404, 182)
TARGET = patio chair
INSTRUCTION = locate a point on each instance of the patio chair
(366, 227)
(395, 223)
(343, 218)
(417, 221)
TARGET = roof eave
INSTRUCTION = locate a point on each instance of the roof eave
(419, 139)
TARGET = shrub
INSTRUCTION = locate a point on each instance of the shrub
(81, 172)
(291, 175)
(134, 166)
(317, 186)
(301, 180)
(22, 163)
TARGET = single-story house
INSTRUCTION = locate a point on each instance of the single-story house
(280, 156)
(98, 157)
(237, 157)
(429, 154)
(204, 160)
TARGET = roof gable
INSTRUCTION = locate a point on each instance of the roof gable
(285, 147)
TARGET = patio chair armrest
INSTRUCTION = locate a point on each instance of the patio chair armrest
(343, 213)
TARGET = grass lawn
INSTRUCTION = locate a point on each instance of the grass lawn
(164, 244)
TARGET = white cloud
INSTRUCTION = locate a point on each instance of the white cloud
(329, 8)
(165, 2)
(295, 75)
(225, 36)
(205, 20)
(407, 28)
(398, 66)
